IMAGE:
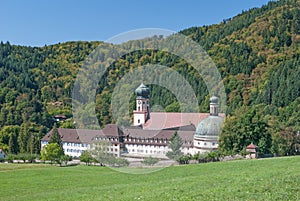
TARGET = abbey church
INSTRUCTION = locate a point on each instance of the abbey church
(150, 132)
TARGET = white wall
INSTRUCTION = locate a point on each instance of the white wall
(144, 150)
(137, 117)
(71, 149)
(202, 145)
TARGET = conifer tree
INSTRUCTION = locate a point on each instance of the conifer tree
(23, 138)
(13, 143)
(175, 145)
(56, 138)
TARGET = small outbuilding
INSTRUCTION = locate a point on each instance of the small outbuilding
(59, 117)
(252, 150)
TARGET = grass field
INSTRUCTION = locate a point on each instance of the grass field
(264, 179)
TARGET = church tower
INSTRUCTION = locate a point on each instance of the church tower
(207, 132)
(214, 106)
(142, 112)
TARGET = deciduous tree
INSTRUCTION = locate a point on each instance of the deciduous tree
(51, 152)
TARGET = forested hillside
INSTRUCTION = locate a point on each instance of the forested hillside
(256, 52)
(258, 55)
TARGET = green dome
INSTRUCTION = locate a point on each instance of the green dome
(214, 99)
(142, 91)
(209, 126)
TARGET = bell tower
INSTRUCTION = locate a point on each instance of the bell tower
(214, 106)
(142, 112)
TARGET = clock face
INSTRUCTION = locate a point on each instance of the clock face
(139, 102)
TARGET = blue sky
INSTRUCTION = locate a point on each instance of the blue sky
(37, 23)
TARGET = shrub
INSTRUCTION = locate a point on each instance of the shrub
(184, 159)
(150, 161)
(120, 162)
(10, 158)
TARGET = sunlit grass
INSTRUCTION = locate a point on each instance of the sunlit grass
(268, 179)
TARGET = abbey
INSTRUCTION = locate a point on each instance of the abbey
(150, 132)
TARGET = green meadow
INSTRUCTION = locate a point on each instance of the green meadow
(262, 179)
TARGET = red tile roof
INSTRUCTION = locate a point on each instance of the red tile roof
(251, 146)
(166, 120)
(85, 135)
(74, 135)
(112, 130)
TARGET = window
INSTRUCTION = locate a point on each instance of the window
(138, 121)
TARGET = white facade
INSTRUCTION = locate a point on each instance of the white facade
(139, 118)
(71, 149)
(141, 114)
(205, 144)
(146, 150)
(142, 104)
(75, 149)
(113, 146)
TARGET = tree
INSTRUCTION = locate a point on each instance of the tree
(23, 138)
(51, 152)
(245, 126)
(55, 138)
(175, 146)
(9, 137)
(13, 143)
(184, 159)
(64, 159)
(174, 107)
(99, 151)
(211, 156)
(120, 162)
(286, 142)
(86, 157)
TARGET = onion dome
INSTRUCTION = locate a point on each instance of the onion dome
(142, 91)
(209, 126)
(214, 99)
